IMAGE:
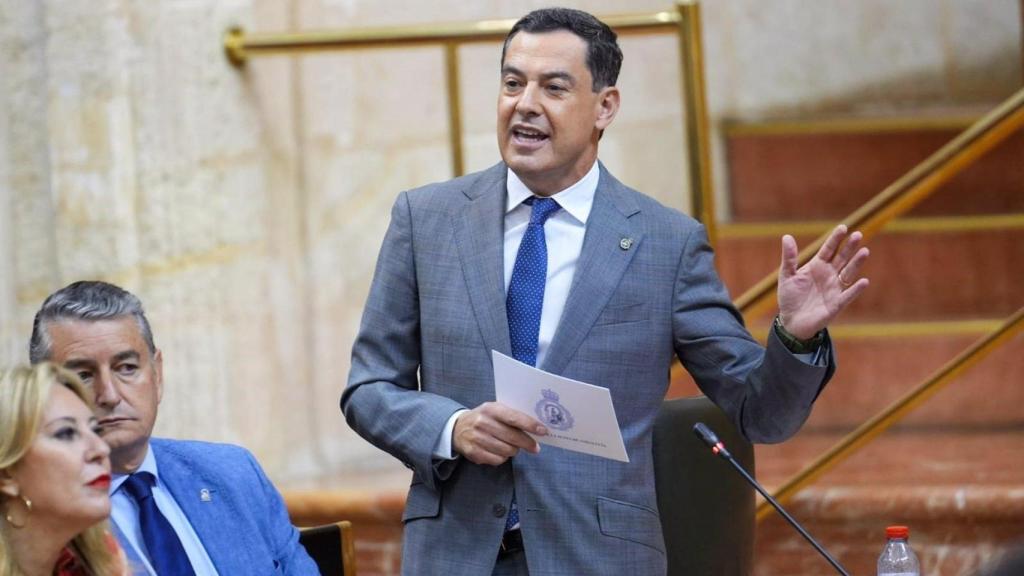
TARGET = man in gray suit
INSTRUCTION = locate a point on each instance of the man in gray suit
(548, 258)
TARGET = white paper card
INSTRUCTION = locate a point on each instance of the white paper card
(579, 416)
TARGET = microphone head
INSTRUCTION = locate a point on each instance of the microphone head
(709, 438)
(706, 435)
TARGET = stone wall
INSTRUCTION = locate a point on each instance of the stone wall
(246, 207)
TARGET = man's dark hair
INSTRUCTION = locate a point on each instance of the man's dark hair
(604, 58)
(85, 300)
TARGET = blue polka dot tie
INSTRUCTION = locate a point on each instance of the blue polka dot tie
(526, 289)
(525, 298)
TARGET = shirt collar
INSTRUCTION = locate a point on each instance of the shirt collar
(576, 200)
(148, 465)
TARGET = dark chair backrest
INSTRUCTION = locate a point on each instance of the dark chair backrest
(332, 548)
(707, 509)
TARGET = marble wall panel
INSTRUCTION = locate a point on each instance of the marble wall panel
(25, 151)
(246, 206)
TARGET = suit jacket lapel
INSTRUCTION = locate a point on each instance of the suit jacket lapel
(479, 235)
(603, 261)
(207, 516)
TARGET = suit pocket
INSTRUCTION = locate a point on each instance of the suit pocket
(623, 314)
(422, 502)
(630, 522)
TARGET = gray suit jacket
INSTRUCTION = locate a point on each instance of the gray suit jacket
(437, 306)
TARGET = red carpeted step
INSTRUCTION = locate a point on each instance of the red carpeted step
(920, 275)
(826, 173)
(874, 372)
(957, 489)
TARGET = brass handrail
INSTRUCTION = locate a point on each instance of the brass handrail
(897, 199)
(867, 431)
(909, 190)
(240, 46)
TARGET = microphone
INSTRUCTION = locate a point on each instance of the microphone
(716, 445)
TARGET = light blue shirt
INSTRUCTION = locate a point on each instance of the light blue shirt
(125, 515)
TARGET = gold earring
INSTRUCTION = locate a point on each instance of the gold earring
(28, 511)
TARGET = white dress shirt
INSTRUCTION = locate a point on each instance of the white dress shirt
(124, 514)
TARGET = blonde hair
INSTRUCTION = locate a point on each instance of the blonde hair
(24, 392)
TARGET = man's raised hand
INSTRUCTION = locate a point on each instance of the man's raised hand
(812, 295)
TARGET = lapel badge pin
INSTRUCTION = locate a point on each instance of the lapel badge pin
(626, 243)
(204, 495)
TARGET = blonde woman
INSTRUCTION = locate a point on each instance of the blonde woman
(54, 477)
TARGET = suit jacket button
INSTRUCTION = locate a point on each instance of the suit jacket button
(499, 511)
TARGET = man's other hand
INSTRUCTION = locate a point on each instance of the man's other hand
(811, 296)
(492, 433)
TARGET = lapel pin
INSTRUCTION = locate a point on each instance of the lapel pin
(204, 495)
(626, 243)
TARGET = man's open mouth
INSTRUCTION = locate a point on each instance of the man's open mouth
(529, 134)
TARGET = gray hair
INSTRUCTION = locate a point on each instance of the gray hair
(85, 300)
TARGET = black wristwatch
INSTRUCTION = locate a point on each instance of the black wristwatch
(794, 344)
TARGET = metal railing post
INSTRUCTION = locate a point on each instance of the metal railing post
(695, 116)
(451, 61)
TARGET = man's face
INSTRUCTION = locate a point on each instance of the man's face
(549, 117)
(112, 358)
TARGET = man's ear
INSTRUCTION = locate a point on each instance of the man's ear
(8, 485)
(158, 374)
(607, 106)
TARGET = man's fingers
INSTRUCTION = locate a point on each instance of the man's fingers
(828, 249)
(510, 426)
(789, 257)
(494, 449)
(479, 455)
(474, 440)
(848, 250)
(850, 294)
(850, 273)
(514, 418)
(496, 446)
(492, 433)
(517, 438)
(515, 441)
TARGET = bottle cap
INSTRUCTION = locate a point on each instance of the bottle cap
(897, 532)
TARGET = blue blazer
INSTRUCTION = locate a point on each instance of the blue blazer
(243, 525)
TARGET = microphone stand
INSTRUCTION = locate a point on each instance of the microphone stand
(709, 438)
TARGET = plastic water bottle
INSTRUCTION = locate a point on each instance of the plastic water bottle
(897, 558)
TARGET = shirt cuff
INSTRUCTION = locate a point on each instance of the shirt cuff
(817, 358)
(443, 448)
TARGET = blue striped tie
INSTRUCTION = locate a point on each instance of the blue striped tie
(525, 298)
